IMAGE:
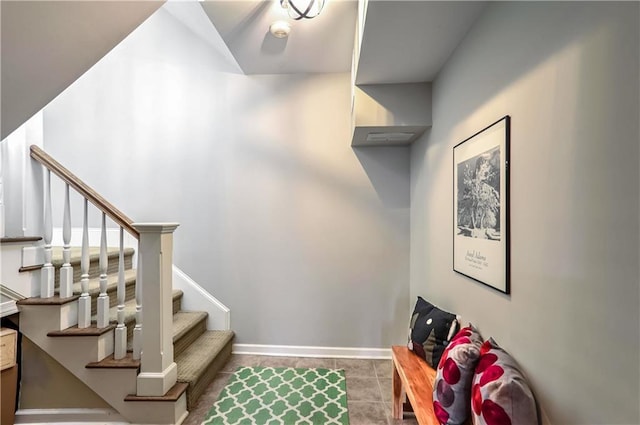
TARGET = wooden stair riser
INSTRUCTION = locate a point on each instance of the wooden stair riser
(187, 339)
(94, 268)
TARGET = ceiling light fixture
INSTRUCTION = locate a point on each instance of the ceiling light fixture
(280, 29)
(299, 9)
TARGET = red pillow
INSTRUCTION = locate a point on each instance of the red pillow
(500, 394)
(452, 386)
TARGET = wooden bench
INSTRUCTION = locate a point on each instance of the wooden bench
(414, 377)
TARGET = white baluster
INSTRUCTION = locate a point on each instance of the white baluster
(103, 298)
(137, 330)
(84, 303)
(66, 272)
(48, 272)
(120, 350)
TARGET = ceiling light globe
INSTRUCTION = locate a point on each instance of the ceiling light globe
(280, 29)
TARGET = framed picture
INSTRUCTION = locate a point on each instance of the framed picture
(481, 206)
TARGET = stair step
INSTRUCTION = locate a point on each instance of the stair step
(112, 283)
(173, 394)
(112, 288)
(187, 327)
(55, 300)
(109, 362)
(20, 239)
(199, 363)
(130, 312)
(94, 258)
(76, 331)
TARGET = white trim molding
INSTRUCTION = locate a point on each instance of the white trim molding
(310, 351)
(8, 298)
(7, 308)
(197, 298)
(69, 416)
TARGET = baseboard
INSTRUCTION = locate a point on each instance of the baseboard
(309, 351)
(69, 416)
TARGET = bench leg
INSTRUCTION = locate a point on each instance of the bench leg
(397, 394)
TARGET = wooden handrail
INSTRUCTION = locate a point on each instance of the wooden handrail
(87, 192)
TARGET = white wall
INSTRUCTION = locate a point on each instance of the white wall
(63, 39)
(568, 74)
(21, 188)
(303, 238)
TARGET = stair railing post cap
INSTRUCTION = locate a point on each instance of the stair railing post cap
(155, 227)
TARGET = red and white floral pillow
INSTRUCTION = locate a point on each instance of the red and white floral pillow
(452, 386)
(500, 395)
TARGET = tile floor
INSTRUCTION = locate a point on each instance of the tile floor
(368, 386)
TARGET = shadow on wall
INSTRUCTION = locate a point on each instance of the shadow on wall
(383, 166)
(272, 45)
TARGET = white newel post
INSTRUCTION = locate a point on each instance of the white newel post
(158, 371)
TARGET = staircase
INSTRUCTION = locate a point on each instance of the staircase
(119, 330)
(198, 352)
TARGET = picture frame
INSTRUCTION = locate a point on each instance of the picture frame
(481, 206)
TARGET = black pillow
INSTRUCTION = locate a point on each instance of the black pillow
(430, 330)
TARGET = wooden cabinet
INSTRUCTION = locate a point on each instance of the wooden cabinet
(8, 348)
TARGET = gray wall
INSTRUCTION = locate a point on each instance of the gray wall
(46, 384)
(304, 238)
(568, 75)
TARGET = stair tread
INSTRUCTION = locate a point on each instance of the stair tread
(55, 300)
(109, 362)
(173, 394)
(184, 320)
(129, 309)
(194, 360)
(92, 330)
(94, 254)
(112, 282)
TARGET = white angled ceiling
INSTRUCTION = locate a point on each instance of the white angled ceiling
(47, 45)
(404, 41)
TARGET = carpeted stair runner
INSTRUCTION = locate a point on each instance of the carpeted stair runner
(198, 352)
(199, 363)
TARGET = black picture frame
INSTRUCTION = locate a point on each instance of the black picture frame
(481, 206)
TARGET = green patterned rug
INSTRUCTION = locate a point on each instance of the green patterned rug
(282, 396)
